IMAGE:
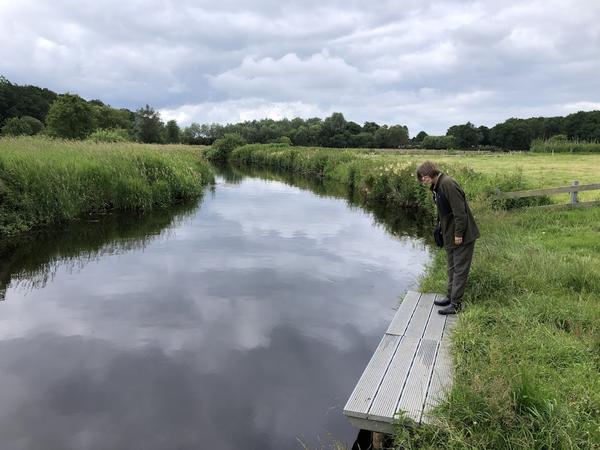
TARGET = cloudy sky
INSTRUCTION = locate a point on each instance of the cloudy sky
(426, 64)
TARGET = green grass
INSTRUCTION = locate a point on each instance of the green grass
(526, 349)
(46, 181)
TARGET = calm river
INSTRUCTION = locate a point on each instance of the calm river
(242, 322)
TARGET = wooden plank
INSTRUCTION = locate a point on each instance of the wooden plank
(441, 380)
(359, 402)
(415, 390)
(549, 191)
(404, 313)
(384, 404)
(418, 322)
(435, 326)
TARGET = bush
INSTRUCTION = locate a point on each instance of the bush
(222, 148)
(110, 135)
(22, 126)
(283, 140)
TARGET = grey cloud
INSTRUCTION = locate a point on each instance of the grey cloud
(231, 60)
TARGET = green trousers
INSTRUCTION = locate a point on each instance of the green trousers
(459, 264)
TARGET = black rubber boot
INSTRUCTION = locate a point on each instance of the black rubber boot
(450, 309)
(442, 302)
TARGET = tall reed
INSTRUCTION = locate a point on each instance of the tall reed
(564, 146)
(45, 181)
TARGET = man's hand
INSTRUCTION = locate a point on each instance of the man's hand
(457, 240)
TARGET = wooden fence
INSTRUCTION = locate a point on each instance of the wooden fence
(573, 190)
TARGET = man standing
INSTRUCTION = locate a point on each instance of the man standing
(459, 232)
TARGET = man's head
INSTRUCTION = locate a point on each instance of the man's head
(427, 172)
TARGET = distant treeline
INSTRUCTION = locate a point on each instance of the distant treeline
(31, 110)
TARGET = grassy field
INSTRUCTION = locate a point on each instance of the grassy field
(46, 181)
(539, 169)
(527, 347)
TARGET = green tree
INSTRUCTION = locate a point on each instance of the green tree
(513, 134)
(301, 136)
(419, 137)
(438, 142)
(106, 117)
(484, 135)
(172, 132)
(370, 127)
(19, 101)
(70, 117)
(147, 127)
(194, 134)
(362, 140)
(465, 136)
(332, 131)
(397, 136)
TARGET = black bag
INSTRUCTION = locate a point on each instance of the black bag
(437, 236)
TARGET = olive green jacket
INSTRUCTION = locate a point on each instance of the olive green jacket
(454, 214)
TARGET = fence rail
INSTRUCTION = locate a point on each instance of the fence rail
(573, 190)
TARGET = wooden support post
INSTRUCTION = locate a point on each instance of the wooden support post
(378, 441)
(574, 193)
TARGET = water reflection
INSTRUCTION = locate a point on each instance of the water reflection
(32, 259)
(244, 325)
(395, 222)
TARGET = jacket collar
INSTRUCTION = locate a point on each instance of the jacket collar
(435, 185)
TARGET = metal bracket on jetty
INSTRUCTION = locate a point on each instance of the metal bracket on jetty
(410, 371)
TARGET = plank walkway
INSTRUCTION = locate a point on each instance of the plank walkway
(410, 371)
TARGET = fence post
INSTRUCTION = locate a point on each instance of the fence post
(574, 194)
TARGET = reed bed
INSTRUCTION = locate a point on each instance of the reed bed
(382, 179)
(47, 181)
(564, 146)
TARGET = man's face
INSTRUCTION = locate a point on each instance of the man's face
(426, 179)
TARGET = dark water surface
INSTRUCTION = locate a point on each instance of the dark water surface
(243, 322)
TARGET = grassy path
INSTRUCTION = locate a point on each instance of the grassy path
(527, 347)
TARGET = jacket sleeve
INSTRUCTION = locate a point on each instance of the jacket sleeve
(458, 204)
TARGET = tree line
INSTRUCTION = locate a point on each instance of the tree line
(29, 110)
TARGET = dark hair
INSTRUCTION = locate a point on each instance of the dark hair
(427, 169)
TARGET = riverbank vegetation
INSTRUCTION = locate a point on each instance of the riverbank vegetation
(560, 144)
(48, 181)
(526, 348)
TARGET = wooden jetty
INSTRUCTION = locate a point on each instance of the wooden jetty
(410, 371)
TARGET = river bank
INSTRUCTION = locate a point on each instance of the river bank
(49, 181)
